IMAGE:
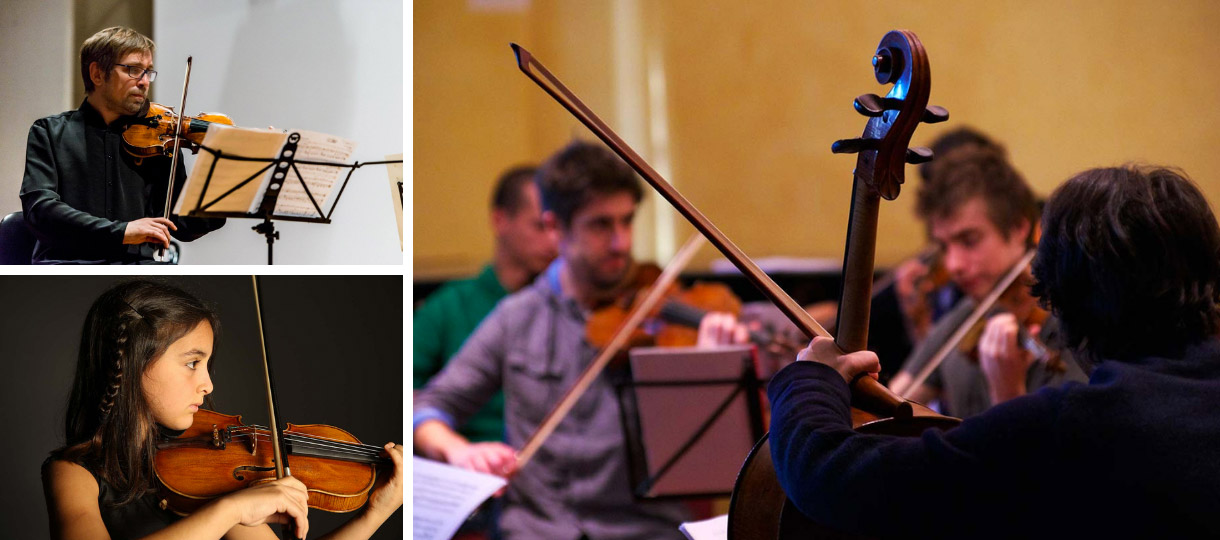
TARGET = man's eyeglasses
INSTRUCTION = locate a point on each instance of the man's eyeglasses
(136, 72)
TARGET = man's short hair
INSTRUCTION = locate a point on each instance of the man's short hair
(1130, 262)
(962, 137)
(107, 47)
(578, 173)
(509, 192)
(969, 172)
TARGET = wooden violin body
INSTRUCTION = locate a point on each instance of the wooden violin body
(153, 134)
(218, 455)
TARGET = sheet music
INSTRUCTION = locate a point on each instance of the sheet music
(395, 170)
(715, 528)
(443, 496)
(244, 142)
(313, 146)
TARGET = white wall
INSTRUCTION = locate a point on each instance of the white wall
(36, 73)
(333, 66)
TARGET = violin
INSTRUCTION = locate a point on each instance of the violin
(219, 454)
(153, 133)
(683, 306)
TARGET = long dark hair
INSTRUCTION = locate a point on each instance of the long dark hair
(1130, 262)
(109, 427)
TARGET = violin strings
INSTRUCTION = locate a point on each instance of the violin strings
(307, 441)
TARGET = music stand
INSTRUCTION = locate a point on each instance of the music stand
(690, 416)
(281, 165)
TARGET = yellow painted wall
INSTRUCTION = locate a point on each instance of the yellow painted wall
(755, 92)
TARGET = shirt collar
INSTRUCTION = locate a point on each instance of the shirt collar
(488, 281)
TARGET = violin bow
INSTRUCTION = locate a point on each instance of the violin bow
(963, 329)
(633, 320)
(173, 166)
(279, 453)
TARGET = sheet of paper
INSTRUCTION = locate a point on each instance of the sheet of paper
(313, 146)
(244, 142)
(443, 496)
(395, 170)
(716, 528)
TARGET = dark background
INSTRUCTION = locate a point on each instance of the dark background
(335, 345)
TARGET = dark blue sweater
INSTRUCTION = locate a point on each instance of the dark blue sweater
(1135, 452)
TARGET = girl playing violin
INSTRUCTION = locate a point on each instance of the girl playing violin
(144, 369)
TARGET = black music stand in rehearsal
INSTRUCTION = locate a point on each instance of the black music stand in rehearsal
(281, 165)
(691, 415)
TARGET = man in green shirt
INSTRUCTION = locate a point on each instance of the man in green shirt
(523, 249)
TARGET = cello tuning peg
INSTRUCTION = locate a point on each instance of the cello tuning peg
(918, 155)
(852, 146)
(872, 105)
(934, 114)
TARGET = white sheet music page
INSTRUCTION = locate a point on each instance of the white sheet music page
(442, 496)
(230, 141)
(716, 528)
(313, 146)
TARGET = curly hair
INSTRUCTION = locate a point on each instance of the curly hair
(580, 171)
(109, 427)
(1130, 262)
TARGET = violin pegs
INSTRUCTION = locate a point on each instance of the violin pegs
(852, 146)
(872, 105)
(935, 114)
(918, 155)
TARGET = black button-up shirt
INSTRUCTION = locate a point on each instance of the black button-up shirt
(81, 189)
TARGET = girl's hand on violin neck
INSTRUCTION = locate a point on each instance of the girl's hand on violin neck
(280, 501)
(485, 457)
(387, 498)
(824, 351)
(720, 328)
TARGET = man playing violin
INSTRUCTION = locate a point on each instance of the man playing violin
(83, 196)
(533, 346)
(980, 214)
(1129, 261)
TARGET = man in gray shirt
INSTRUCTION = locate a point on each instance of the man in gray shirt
(980, 213)
(533, 346)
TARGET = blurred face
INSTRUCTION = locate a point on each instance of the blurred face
(976, 254)
(117, 91)
(597, 243)
(176, 382)
(529, 241)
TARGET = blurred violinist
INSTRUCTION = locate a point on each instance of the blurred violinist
(1129, 262)
(86, 199)
(143, 372)
(980, 215)
(533, 345)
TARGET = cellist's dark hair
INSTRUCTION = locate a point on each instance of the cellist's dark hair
(1129, 260)
(109, 427)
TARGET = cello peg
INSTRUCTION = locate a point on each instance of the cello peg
(852, 146)
(918, 154)
(872, 105)
(935, 114)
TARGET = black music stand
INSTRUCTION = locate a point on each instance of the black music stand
(280, 165)
(690, 415)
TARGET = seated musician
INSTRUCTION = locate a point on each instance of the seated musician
(980, 213)
(524, 246)
(533, 346)
(1129, 261)
(85, 198)
(144, 369)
